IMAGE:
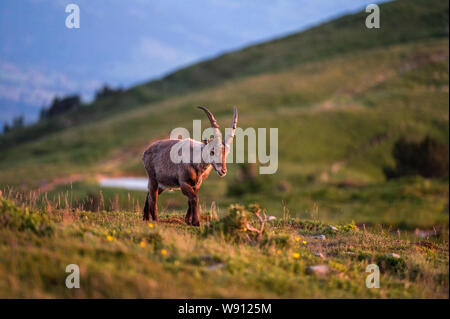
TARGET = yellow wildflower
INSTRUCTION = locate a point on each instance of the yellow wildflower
(278, 252)
(150, 225)
(109, 238)
(245, 229)
(298, 238)
(163, 252)
(296, 255)
(304, 242)
(142, 244)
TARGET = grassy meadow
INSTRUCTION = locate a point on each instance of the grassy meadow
(122, 257)
(339, 94)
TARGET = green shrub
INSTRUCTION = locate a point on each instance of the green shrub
(363, 255)
(231, 226)
(392, 264)
(248, 181)
(428, 158)
(349, 227)
(14, 218)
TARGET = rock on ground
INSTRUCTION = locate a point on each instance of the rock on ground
(318, 270)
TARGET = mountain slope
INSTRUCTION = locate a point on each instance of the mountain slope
(402, 22)
(339, 94)
(338, 118)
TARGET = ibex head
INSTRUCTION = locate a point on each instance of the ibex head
(216, 148)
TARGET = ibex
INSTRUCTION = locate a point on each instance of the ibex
(164, 174)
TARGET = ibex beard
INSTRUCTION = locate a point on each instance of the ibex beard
(164, 173)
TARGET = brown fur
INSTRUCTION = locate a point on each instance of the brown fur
(164, 174)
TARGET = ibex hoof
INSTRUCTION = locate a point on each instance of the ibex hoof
(196, 223)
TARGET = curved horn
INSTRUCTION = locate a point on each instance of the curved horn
(213, 121)
(230, 136)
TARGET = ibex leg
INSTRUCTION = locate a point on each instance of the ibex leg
(193, 204)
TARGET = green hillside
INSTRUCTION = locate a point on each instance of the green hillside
(403, 22)
(340, 94)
